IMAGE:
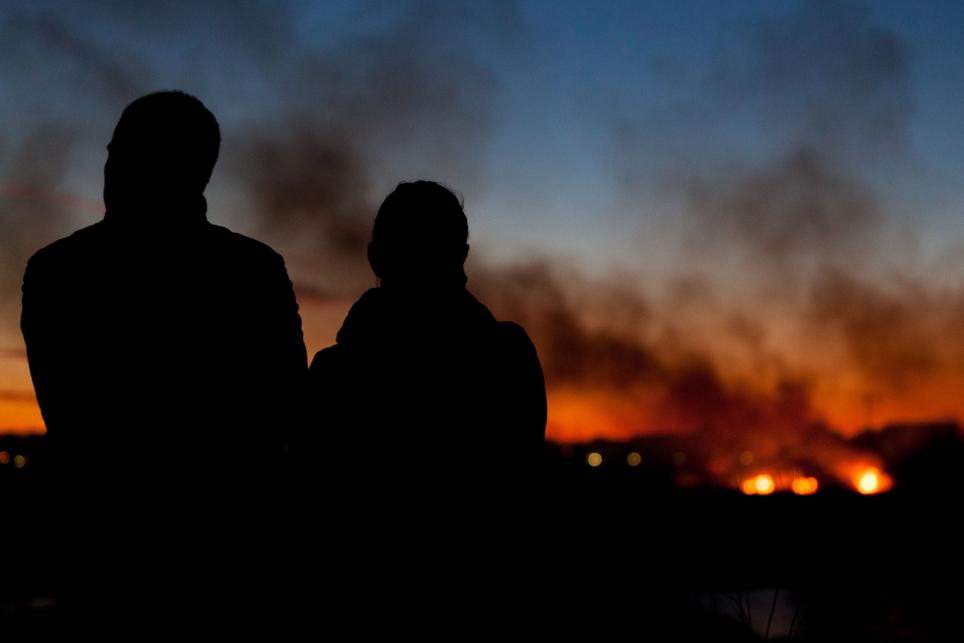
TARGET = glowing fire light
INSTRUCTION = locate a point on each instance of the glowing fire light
(805, 486)
(871, 481)
(762, 484)
(594, 459)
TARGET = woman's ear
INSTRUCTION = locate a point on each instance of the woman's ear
(465, 253)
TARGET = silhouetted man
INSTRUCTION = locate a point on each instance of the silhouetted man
(424, 386)
(165, 352)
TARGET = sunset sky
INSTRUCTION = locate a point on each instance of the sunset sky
(735, 216)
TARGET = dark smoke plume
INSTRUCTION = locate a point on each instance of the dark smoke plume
(365, 109)
(827, 91)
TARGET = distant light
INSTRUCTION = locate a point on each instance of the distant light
(634, 459)
(679, 458)
(19, 461)
(805, 486)
(746, 458)
(763, 484)
(594, 459)
(869, 481)
(4, 457)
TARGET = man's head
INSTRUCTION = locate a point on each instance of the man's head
(420, 236)
(162, 153)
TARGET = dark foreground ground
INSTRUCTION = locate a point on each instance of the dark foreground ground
(588, 553)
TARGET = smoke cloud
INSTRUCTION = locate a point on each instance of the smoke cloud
(793, 229)
(828, 90)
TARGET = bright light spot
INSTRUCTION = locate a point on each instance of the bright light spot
(634, 459)
(594, 459)
(763, 484)
(805, 486)
(4, 457)
(19, 461)
(746, 458)
(869, 481)
(679, 458)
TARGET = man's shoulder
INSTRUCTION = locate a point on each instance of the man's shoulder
(242, 244)
(75, 244)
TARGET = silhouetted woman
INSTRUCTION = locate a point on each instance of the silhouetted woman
(425, 428)
(424, 387)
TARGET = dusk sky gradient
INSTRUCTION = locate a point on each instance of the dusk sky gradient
(769, 190)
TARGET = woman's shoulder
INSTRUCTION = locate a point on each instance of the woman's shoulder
(326, 358)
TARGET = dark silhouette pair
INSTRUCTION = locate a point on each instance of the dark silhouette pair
(169, 364)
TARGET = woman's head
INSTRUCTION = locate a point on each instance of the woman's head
(420, 237)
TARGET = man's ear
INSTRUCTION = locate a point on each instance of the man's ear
(465, 253)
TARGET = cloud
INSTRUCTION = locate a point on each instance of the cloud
(902, 337)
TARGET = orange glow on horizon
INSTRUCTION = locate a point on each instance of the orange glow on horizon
(21, 418)
(580, 416)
